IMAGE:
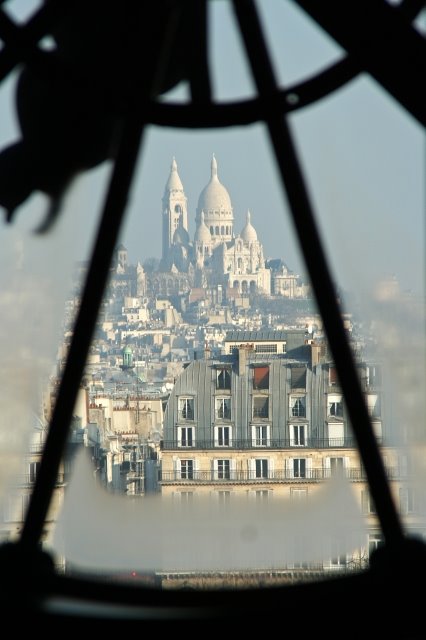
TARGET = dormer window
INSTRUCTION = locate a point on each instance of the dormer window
(298, 377)
(223, 378)
(332, 377)
(223, 408)
(298, 406)
(261, 378)
(260, 407)
(186, 408)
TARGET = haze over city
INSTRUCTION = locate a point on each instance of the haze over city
(362, 157)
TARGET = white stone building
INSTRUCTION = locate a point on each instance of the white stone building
(216, 255)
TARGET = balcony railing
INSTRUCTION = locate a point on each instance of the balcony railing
(269, 443)
(26, 480)
(277, 475)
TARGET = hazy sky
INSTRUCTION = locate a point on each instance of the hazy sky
(362, 155)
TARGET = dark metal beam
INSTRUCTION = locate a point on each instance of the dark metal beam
(384, 43)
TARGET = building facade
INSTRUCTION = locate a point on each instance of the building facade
(267, 422)
(217, 259)
(216, 256)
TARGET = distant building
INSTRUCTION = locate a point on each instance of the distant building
(226, 265)
(13, 512)
(267, 421)
(216, 256)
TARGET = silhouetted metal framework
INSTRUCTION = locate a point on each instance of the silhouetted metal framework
(381, 41)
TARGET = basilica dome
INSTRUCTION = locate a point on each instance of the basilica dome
(202, 233)
(248, 234)
(214, 197)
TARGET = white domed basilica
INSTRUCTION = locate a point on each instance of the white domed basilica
(216, 256)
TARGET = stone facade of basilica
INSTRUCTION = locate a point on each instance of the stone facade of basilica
(216, 256)
(216, 262)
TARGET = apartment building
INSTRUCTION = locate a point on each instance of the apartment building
(267, 421)
(14, 509)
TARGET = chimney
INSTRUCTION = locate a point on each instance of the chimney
(315, 353)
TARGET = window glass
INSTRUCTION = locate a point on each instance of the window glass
(186, 408)
(298, 406)
(223, 378)
(223, 408)
(260, 407)
(208, 246)
(298, 377)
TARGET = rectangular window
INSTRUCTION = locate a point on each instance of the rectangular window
(33, 469)
(261, 468)
(375, 540)
(186, 437)
(407, 500)
(260, 435)
(299, 468)
(367, 503)
(336, 434)
(335, 406)
(186, 409)
(298, 435)
(336, 466)
(373, 376)
(335, 409)
(260, 407)
(332, 377)
(15, 507)
(298, 406)
(373, 405)
(223, 378)
(266, 348)
(223, 408)
(187, 469)
(223, 469)
(261, 378)
(222, 436)
(338, 556)
(377, 428)
(298, 377)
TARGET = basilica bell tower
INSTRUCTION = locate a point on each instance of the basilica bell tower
(175, 211)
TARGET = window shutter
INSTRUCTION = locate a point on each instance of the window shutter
(364, 501)
(261, 377)
(252, 468)
(298, 377)
(333, 376)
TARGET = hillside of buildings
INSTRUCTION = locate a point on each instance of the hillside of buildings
(213, 378)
